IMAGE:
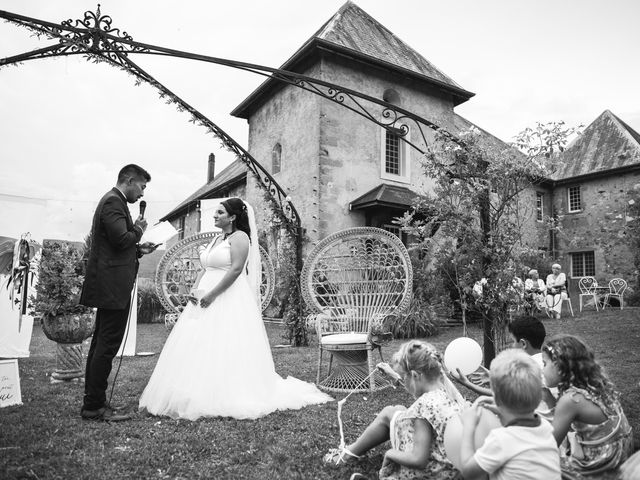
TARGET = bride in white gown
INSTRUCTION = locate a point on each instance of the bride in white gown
(217, 360)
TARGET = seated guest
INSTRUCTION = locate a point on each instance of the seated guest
(535, 290)
(556, 290)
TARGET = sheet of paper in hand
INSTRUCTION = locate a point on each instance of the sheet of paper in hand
(159, 233)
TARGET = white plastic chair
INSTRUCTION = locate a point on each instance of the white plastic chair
(352, 281)
(588, 288)
(617, 286)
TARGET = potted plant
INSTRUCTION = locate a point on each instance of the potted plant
(64, 321)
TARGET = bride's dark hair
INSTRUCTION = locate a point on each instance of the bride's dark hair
(235, 206)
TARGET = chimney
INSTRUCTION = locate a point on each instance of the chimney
(212, 167)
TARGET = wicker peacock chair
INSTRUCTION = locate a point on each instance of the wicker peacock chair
(353, 280)
(179, 268)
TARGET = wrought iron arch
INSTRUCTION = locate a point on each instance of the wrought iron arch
(98, 40)
(95, 37)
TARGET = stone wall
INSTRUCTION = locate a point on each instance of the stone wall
(599, 226)
(289, 118)
(330, 155)
(351, 146)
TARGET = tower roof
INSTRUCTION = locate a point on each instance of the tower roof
(606, 144)
(352, 32)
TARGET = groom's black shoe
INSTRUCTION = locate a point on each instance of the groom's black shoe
(116, 407)
(103, 415)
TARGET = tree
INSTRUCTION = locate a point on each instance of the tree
(477, 212)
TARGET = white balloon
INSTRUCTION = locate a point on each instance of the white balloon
(452, 438)
(463, 353)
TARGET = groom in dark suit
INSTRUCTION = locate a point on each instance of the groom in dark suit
(111, 270)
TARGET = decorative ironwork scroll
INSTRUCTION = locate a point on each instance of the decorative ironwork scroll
(94, 35)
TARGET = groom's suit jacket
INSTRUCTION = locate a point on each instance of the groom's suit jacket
(113, 261)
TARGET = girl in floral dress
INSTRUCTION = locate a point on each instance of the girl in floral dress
(588, 412)
(416, 433)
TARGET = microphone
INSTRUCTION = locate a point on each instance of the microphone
(143, 207)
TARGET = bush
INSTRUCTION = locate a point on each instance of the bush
(419, 320)
(150, 310)
(60, 279)
(631, 297)
(433, 287)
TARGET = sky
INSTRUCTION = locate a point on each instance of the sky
(67, 125)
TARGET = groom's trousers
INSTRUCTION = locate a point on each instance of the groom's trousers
(107, 338)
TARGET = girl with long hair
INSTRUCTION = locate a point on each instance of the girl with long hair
(588, 411)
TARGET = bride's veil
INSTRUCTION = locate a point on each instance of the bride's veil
(254, 264)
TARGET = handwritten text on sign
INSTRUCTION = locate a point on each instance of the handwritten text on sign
(9, 383)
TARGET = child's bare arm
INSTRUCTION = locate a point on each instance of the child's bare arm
(464, 380)
(470, 468)
(548, 398)
(419, 456)
(565, 413)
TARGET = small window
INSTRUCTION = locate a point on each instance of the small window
(575, 200)
(395, 158)
(539, 206)
(181, 223)
(392, 154)
(276, 158)
(583, 264)
(391, 96)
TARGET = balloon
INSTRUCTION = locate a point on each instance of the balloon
(452, 438)
(463, 353)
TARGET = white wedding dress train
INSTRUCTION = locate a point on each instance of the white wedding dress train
(217, 360)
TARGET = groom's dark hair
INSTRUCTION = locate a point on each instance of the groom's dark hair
(132, 170)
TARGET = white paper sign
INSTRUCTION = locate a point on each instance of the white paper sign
(159, 233)
(9, 383)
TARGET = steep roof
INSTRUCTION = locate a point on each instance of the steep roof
(353, 32)
(235, 172)
(460, 124)
(607, 144)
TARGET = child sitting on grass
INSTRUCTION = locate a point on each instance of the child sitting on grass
(588, 411)
(524, 447)
(416, 433)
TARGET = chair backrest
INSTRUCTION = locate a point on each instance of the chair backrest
(617, 286)
(180, 265)
(587, 285)
(358, 275)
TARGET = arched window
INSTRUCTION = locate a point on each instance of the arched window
(276, 158)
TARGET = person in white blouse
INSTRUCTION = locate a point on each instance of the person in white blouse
(556, 290)
(535, 290)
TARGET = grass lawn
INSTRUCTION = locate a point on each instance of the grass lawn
(45, 437)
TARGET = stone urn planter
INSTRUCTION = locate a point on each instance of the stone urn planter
(68, 331)
(60, 279)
